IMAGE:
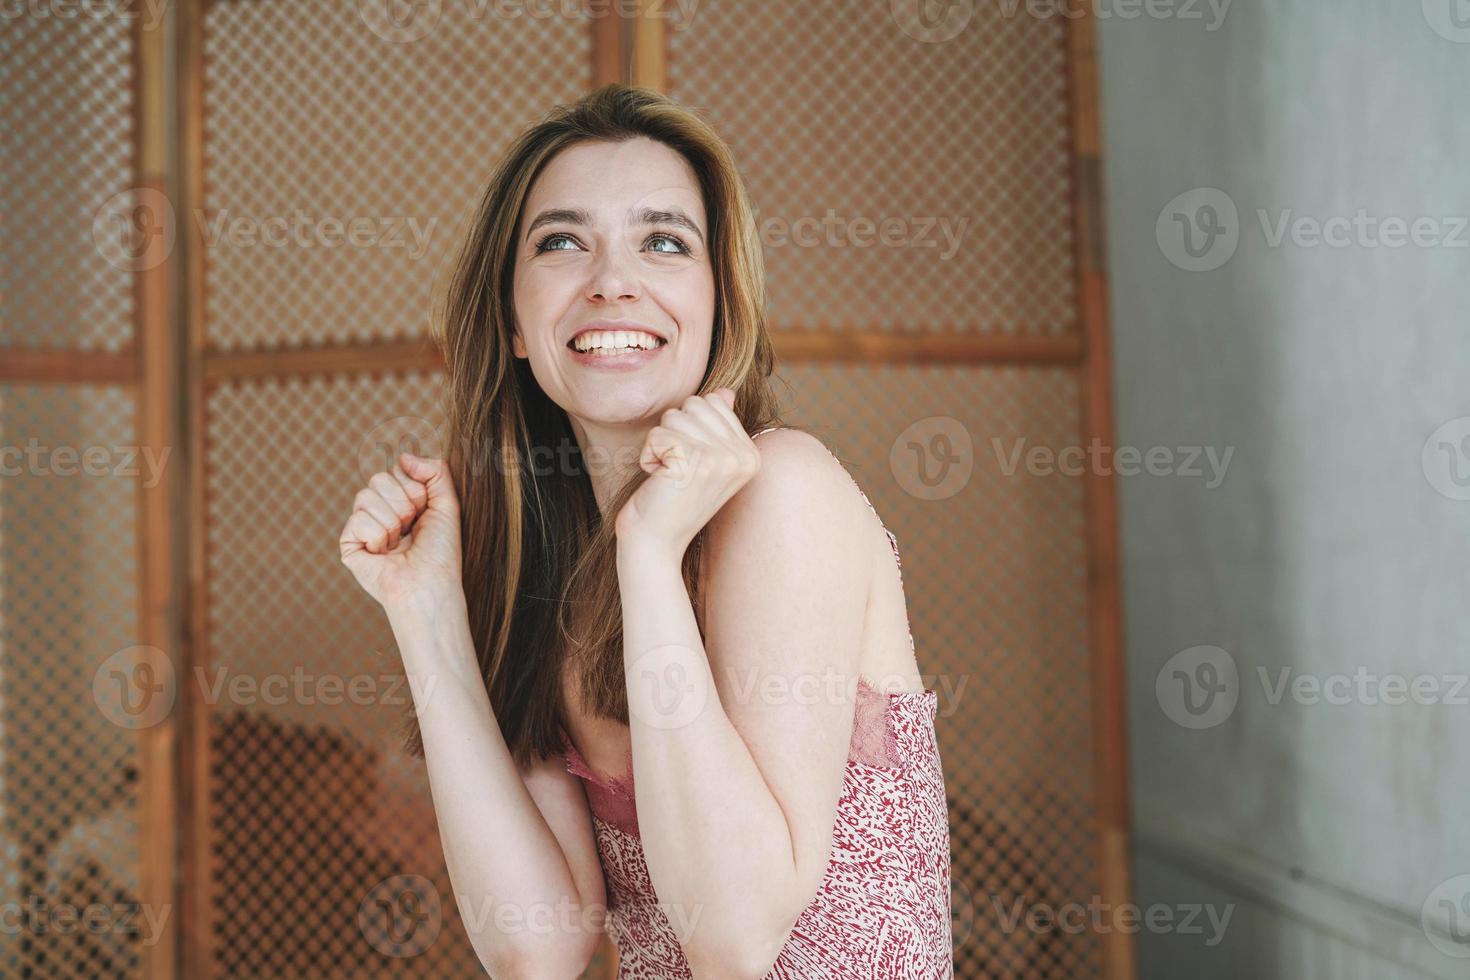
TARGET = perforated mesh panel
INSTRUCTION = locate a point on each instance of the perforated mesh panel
(310, 812)
(65, 156)
(311, 805)
(315, 817)
(311, 109)
(68, 614)
(831, 106)
(994, 577)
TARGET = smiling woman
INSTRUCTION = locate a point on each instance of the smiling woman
(650, 601)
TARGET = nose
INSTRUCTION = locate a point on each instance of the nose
(613, 276)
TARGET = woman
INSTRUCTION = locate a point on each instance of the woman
(608, 573)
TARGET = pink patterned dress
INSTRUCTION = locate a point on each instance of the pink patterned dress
(882, 911)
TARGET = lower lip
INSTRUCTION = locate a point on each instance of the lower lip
(630, 361)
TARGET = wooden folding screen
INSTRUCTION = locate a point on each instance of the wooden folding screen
(89, 489)
(285, 374)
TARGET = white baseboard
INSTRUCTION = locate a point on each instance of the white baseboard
(1388, 933)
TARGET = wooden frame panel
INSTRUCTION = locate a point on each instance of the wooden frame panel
(173, 613)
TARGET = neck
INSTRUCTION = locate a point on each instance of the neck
(610, 456)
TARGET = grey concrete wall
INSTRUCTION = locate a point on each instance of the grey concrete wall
(1336, 547)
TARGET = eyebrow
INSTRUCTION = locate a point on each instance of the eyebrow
(645, 216)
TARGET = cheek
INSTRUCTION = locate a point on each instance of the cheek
(537, 298)
(694, 298)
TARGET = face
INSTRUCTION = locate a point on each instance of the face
(613, 237)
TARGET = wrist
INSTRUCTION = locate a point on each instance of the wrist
(640, 548)
(427, 606)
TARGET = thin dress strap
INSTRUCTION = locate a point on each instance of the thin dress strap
(892, 538)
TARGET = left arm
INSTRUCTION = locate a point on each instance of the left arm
(740, 745)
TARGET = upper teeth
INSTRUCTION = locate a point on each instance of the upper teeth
(594, 339)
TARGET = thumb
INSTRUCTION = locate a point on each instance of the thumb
(727, 394)
(434, 475)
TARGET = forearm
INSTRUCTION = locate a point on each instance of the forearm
(511, 879)
(717, 844)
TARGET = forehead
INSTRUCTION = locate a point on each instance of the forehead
(610, 178)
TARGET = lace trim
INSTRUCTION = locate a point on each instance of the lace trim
(873, 742)
(610, 797)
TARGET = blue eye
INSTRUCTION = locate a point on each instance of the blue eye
(541, 245)
(679, 247)
(682, 249)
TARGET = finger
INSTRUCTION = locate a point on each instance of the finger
(724, 408)
(417, 494)
(395, 496)
(362, 532)
(691, 420)
(434, 475)
(371, 500)
(662, 447)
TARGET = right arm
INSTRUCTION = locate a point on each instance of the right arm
(518, 845)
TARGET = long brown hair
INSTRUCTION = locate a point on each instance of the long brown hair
(540, 572)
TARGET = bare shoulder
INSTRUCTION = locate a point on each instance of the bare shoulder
(800, 484)
(801, 516)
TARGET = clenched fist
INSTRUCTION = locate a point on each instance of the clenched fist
(402, 541)
(697, 458)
